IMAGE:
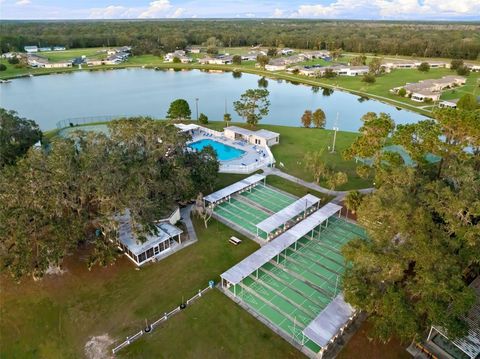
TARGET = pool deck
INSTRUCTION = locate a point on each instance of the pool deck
(255, 157)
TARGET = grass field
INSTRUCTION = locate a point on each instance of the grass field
(91, 53)
(55, 317)
(295, 142)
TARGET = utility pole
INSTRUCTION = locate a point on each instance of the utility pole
(335, 129)
(196, 106)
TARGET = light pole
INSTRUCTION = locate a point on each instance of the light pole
(196, 106)
(335, 129)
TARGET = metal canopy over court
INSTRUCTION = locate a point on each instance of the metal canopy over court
(234, 188)
(279, 219)
(329, 322)
(250, 264)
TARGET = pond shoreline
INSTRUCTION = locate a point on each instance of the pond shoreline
(231, 68)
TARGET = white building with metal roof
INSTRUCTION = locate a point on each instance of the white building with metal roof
(261, 137)
(154, 245)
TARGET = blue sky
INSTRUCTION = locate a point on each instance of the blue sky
(324, 9)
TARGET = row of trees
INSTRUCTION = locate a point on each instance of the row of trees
(393, 38)
(423, 224)
(252, 106)
(70, 193)
(317, 118)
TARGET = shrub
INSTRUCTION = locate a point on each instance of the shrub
(463, 70)
(329, 74)
(424, 67)
(237, 60)
(13, 60)
(455, 64)
(203, 119)
(402, 92)
(369, 78)
(3, 67)
(176, 60)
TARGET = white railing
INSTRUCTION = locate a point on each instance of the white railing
(270, 155)
(264, 162)
(165, 317)
(211, 132)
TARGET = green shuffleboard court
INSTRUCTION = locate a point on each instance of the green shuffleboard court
(291, 290)
(252, 207)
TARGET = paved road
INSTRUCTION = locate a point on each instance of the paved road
(339, 195)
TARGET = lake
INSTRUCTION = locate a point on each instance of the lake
(130, 92)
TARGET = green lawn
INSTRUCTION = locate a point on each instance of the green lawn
(91, 53)
(295, 142)
(472, 86)
(295, 189)
(55, 317)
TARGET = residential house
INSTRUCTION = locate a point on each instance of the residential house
(322, 54)
(95, 62)
(357, 70)
(430, 89)
(9, 55)
(79, 61)
(341, 70)
(260, 137)
(286, 51)
(218, 60)
(59, 48)
(179, 54)
(31, 49)
(276, 65)
(56, 65)
(45, 48)
(448, 103)
(390, 65)
(36, 60)
(194, 49)
(473, 66)
(252, 55)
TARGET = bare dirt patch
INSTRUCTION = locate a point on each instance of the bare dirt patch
(99, 347)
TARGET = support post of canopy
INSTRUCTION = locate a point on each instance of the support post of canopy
(430, 333)
(235, 290)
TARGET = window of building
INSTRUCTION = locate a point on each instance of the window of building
(142, 257)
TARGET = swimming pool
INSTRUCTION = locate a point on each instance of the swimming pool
(224, 152)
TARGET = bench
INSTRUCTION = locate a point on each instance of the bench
(235, 240)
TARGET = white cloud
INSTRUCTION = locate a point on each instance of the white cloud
(278, 13)
(390, 9)
(158, 8)
(177, 13)
(23, 2)
(109, 12)
(250, 15)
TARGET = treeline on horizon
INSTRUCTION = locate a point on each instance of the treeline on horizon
(422, 39)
